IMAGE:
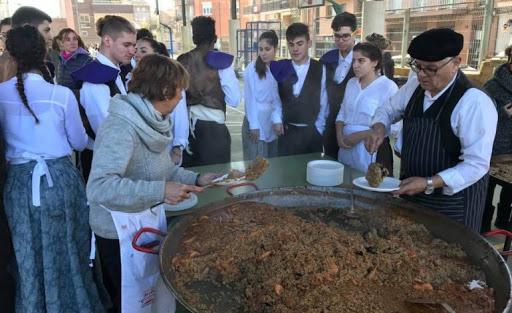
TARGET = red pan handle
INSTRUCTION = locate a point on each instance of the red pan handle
(148, 247)
(231, 187)
(497, 232)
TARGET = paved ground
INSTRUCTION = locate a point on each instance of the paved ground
(234, 118)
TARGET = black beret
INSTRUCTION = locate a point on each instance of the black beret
(436, 44)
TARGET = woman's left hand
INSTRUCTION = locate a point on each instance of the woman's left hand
(206, 178)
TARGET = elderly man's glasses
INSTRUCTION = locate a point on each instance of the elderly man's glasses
(428, 70)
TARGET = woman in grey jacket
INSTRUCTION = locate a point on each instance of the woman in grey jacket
(132, 169)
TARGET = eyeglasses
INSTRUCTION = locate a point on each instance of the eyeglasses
(345, 36)
(429, 71)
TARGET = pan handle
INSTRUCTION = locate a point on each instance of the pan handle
(231, 187)
(147, 247)
(505, 233)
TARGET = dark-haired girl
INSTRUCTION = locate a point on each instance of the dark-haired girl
(262, 123)
(44, 195)
(364, 94)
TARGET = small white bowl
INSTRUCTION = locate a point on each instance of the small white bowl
(324, 173)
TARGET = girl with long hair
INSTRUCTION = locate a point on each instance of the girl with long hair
(364, 94)
(44, 195)
(262, 123)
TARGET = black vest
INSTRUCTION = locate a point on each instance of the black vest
(442, 108)
(204, 86)
(335, 91)
(304, 108)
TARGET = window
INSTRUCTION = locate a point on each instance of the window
(85, 21)
(85, 18)
(207, 8)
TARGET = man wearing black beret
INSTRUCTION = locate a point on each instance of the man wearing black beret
(448, 133)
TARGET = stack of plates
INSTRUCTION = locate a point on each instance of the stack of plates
(324, 173)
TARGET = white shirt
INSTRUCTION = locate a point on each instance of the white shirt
(262, 103)
(180, 123)
(302, 71)
(230, 85)
(359, 105)
(95, 98)
(473, 121)
(231, 88)
(344, 65)
(60, 128)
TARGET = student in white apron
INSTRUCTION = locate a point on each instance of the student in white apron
(44, 195)
(364, 94)
(179, 116)
(262, 123)
(131, 172)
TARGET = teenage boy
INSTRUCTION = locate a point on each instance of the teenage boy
(100, 79)
(25, 16)
(213, 84)
(302, 89)
(338, 65)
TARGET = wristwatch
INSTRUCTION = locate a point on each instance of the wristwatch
(430, 186)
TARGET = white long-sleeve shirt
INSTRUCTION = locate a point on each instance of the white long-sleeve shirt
(262, 103)
(60, 128)
(95, 98)
(344, 65)
(301, 71)
(473, 121)
(230, 85)
(180, 122)
(359, 105)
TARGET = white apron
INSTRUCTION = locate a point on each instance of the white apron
(142, 289)
(356, 157)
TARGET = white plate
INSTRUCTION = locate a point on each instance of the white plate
(389, 184)
(183, 205)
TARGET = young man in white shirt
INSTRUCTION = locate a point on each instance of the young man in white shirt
(302, 89)
(213, 84)
(448, 130)
(338, 65)
(100, 79)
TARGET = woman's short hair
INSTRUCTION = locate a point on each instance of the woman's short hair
(114, 25)
(157, 77)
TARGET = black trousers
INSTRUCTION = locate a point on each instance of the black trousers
(211, 145)
(7, 284)
(110, 256)
(85, 158)
(503, 216)
(299, 140)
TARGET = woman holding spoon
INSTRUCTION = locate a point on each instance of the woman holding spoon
(364, 94)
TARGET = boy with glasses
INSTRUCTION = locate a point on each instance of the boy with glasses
(301, 83)
(448, 132)
(338, 65)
